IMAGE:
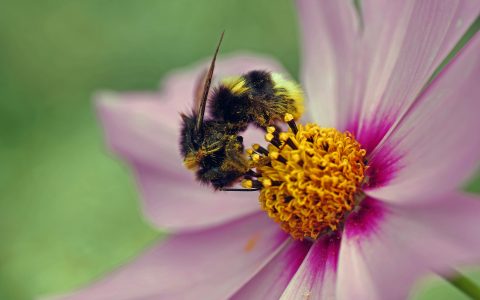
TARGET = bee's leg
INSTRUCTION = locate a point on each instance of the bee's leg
(235, 160)
(238, 190)
(237, 127)
(218, 177)
(210, 175)
(236, 164)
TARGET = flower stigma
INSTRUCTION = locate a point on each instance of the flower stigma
(309, 177)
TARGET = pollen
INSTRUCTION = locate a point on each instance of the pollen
(308, 178)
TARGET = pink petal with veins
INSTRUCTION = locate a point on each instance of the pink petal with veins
(434, 148)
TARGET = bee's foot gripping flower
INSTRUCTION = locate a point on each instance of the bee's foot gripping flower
(309, 177)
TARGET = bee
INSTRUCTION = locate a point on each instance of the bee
(257, 97)
(213, 147)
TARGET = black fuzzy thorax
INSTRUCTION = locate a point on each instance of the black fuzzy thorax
(260, 84)
(229, 107)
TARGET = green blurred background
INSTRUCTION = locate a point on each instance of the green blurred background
(68, 210)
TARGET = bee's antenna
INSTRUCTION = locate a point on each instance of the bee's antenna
(206, 88)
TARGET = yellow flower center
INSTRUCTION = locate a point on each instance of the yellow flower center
(308, 178)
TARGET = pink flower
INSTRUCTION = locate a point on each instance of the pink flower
(370, 79)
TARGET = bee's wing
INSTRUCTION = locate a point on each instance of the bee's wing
(198, 92)
(206, 89)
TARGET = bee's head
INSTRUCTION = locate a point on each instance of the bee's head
(191, 142)
(189, 139)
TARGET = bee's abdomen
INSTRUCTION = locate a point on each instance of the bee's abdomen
(258, 97)
(273, 97)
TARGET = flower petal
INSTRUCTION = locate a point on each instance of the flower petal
(210, 264)
(387, 247)
(434, 148)
(274, 277)
(443, 233)
(372, 264)
(315, 279)
(407, 41)
(364, 77)
(182, 205)
(143, 129)
(330, 39)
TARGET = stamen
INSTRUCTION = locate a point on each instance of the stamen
(291, 143)
(255, 157)
(271, 129)
(269, 137)
(291, 123)
(272, 148)
(260, 149)
(277, 156)
(309, 186)
(251, 184)
(274, 136)
(266, 182)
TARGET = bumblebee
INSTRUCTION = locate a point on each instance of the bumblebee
(257, 97)
(213, 147)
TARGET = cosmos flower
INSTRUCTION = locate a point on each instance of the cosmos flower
(370, 78)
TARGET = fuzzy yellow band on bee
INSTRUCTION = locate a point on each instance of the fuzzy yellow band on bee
(289, 89)
(236, 84)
